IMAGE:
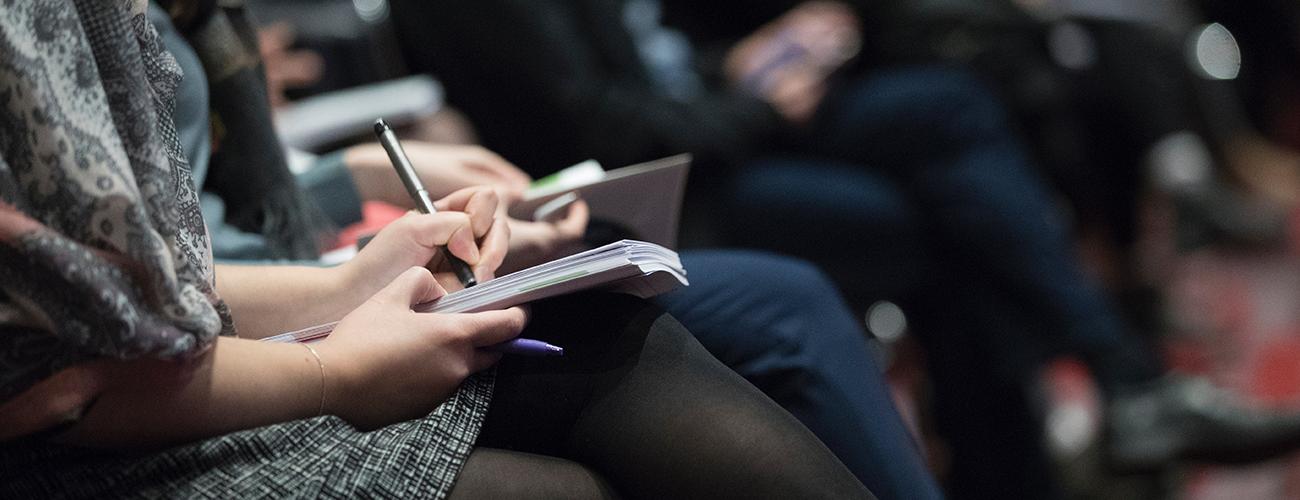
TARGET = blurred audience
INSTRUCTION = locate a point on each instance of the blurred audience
(797, 148)
(806, 129)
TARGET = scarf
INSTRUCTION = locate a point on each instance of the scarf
(103, 250)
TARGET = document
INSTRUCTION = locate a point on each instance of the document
(628, 266)
(644, 201)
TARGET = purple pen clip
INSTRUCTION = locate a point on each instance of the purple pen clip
(527, 347)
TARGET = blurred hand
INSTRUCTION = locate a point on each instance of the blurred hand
(386, 363)
(470, 222)
(533, 243)
(787, 61)
(442, 168)
(286, 68)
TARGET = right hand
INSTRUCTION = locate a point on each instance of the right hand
(443, 168)
(385, 363)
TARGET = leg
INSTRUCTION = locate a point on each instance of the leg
(492, 473)
(639, 401)
(857, 223)
(945, 138)
(780, 323)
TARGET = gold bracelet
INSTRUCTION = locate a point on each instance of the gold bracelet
(321, 364)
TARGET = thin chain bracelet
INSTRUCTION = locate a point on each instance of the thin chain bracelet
(321, 364)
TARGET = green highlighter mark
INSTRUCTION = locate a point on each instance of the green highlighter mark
(552, 281)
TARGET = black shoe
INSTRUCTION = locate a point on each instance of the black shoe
(1177, 418)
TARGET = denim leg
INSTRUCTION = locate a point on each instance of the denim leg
(854, 222)
(946, 141)
(779, 323)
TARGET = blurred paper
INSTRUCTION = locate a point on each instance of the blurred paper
(645, 198)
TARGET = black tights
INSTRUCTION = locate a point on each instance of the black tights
(637, 408)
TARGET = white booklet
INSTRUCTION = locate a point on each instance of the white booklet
(644, 199)
(628, 266)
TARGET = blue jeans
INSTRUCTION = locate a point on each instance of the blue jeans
(782, 325)
(911, 185)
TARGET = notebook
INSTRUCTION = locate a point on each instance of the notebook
(644, 200)
(633, 267)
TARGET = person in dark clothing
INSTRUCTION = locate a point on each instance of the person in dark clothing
(915, 170)
(131, 365)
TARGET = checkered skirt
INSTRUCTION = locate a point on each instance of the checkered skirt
(322, 457)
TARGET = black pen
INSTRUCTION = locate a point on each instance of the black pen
(406, 172)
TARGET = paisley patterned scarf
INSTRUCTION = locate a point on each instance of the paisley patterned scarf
(103, 251)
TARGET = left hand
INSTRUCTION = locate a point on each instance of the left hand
(536, 242)
(470, 223)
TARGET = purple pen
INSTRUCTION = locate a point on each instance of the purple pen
(528, 347)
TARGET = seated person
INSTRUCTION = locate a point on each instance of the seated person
(130, 367)
(915, 171)
(776, 321)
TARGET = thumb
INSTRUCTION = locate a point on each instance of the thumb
(414, 286)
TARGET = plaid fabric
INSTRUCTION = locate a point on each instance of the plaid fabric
(322, 457)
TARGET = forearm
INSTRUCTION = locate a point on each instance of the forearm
(267, 300)
(239, 384)
(373, 175)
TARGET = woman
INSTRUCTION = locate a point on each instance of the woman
(127, 368)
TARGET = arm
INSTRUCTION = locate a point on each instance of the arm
(368, 379)
(443, 169)
(267, 300)
(382, 364)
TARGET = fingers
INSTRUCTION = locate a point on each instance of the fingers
(574, 223)
(453, 229)
(414, 286)
(481, 204)
(491, 327)
(493, 249)
(483, 360)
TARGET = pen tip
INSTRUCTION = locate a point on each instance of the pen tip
(380, 126)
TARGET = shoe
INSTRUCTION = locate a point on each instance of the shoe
(1189, 419)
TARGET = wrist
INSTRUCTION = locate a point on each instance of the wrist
(351, 288)
(337, 380)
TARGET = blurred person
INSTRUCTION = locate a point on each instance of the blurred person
(777, 321)
(914, 163)
(131, 366)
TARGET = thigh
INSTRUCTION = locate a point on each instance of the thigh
(859, 224)
(898, 117)
(781, 324)
(496, 473)
(637, 399)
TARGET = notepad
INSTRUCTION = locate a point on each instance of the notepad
(633, 267)
(644, 199)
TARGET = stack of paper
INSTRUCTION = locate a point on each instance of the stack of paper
(628, 266)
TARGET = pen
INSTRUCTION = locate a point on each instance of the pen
(406, 172)
(528, 347)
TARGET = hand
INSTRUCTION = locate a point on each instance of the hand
(386, 363)
(533, 243)
(470, 222)
(442, 168)
(787, 61)
(286, 68)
